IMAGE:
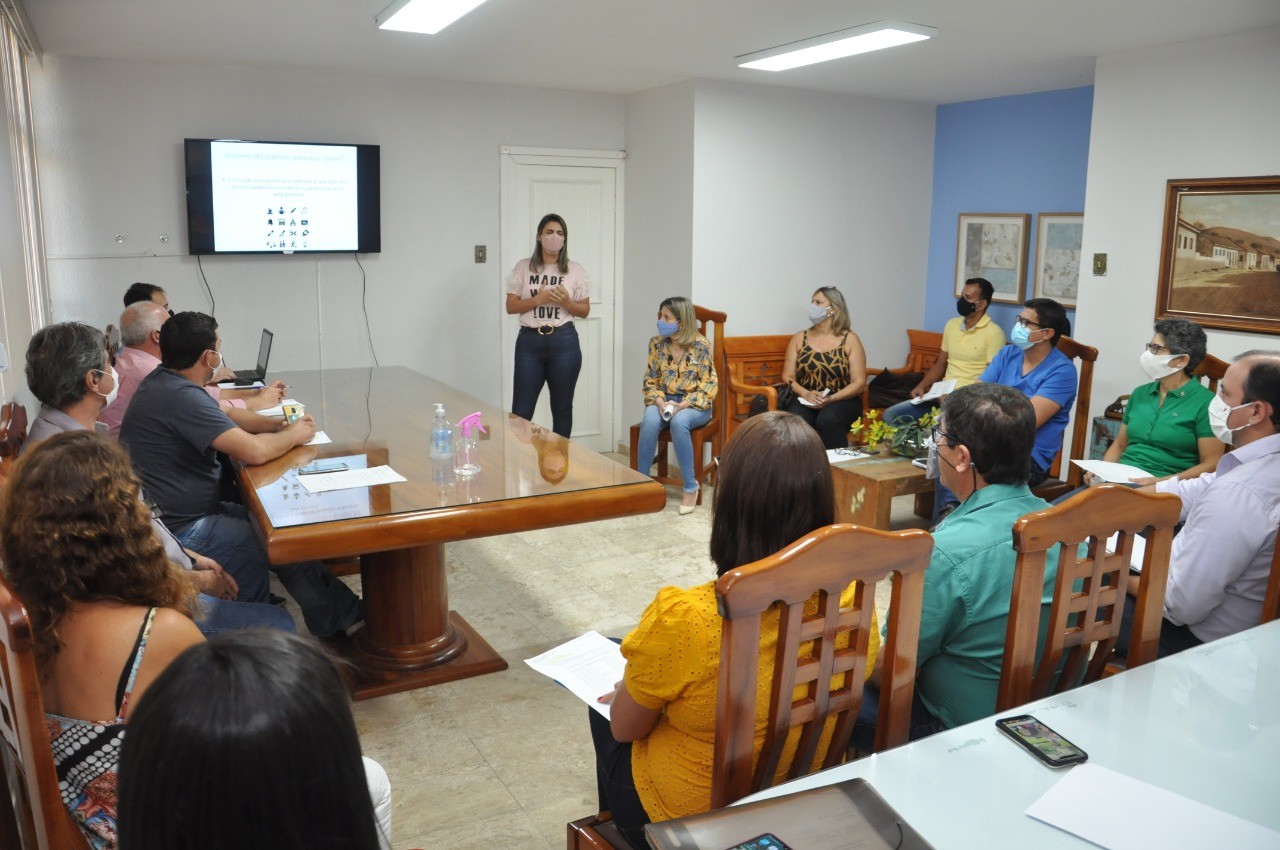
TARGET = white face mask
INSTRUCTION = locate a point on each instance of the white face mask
(1156, 366)
(817, 314)
(1219, 411)
(115, 386)
(219, 366)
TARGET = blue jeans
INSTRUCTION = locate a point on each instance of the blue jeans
(328, 606)
(554, 359)
(681, 424)
(225, 615)
(905, 410)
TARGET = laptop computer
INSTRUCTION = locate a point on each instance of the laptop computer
(259, 373)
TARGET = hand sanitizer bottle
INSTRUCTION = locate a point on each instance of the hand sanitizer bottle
(441, 436)
(466, 454)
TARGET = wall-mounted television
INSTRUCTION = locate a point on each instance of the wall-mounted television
(248, 197)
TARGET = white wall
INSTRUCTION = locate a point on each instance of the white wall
(110, 141)
(1141, 138)
(794, 190)
(659, 225)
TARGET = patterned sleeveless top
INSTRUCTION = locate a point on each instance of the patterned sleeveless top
(822, 370)
(87, 754)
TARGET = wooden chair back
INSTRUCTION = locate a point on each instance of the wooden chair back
(754, 367)
(824, 563)
(37, 818)
(13, 433)
(1212, 369)
(1059, 483)
(926, 348)
(1271, 603)
(1086, 621)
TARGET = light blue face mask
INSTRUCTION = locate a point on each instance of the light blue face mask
(667, 328)
(1021, 337)
(817, 314)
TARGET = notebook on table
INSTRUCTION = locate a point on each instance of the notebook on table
(832, 817)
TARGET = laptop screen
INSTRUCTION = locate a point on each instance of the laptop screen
(264, 350)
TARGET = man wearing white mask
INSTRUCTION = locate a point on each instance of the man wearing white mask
(1220, 562)
(70, 370)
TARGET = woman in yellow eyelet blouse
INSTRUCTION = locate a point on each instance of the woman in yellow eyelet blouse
(654, 757)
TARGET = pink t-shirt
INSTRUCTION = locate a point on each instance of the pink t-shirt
(132, 365)
(525, 283)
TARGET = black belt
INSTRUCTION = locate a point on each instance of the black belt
(545, 330)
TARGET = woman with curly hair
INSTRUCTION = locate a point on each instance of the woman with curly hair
(108, 610)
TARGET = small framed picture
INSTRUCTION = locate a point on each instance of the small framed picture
(994, 246)
(1058, 240)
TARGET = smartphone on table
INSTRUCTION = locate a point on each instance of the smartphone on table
(292, 412)
(768, 841)
(322, 466)
(1042, 742)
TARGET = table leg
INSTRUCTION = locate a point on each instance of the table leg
(410, 638)
(864, 501)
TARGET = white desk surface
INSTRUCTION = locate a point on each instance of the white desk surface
(1204, 724)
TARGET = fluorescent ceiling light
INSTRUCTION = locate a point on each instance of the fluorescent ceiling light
(836, 45)
(425, 16)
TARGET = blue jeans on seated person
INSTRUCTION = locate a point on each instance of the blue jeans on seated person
(225, 615)
(681, 424)
(328, 606)
(923, 723)
(943, 497)
(905, 410)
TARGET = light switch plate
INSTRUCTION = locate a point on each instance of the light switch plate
(1099, 265)
(482, 254)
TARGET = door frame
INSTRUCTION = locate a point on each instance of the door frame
(512, 155)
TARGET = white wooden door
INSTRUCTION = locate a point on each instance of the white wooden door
(585, 189)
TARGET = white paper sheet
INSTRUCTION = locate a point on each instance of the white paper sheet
(319, 439)
(1115, 473)
(841, 455)
(1138, 553)
(325, 481)
(937, 391)
(1141, 816)
(589, 666)
(278, 410)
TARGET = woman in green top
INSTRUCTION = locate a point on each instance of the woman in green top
(1166, 423)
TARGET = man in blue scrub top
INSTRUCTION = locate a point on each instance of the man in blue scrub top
(1032, 364)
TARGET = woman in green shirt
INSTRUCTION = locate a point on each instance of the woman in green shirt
(1166, 423)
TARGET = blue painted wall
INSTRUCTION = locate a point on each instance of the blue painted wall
(1020, 154)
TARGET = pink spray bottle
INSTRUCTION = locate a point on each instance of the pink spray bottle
(466, 453)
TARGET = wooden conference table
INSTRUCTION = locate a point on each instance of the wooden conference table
(1204, 723)
(383, 416)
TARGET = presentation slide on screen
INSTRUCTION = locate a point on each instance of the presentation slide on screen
(279, 197)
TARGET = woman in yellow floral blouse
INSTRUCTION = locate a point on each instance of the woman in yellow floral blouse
(679, 386)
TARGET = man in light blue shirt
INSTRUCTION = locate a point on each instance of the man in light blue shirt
(1220, 562)
(1033, 365)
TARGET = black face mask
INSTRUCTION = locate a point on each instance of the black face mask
(965, 308)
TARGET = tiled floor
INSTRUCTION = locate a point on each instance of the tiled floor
(505, 760)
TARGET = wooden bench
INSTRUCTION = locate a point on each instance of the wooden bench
(754, 365)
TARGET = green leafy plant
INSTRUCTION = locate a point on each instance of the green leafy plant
(908, 440)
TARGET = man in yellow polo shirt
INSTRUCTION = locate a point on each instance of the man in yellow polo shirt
(969, 343)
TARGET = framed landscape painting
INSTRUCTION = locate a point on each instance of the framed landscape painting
(994, 246)
(1220, 258)
(1058, 240)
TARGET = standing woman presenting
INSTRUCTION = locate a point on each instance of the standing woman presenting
(826, 368)
(548, 291)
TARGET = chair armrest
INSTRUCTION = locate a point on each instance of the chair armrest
(767, 390)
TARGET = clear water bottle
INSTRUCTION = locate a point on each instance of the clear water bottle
(441, 436)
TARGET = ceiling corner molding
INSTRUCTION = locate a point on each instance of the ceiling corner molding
(16, 15)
